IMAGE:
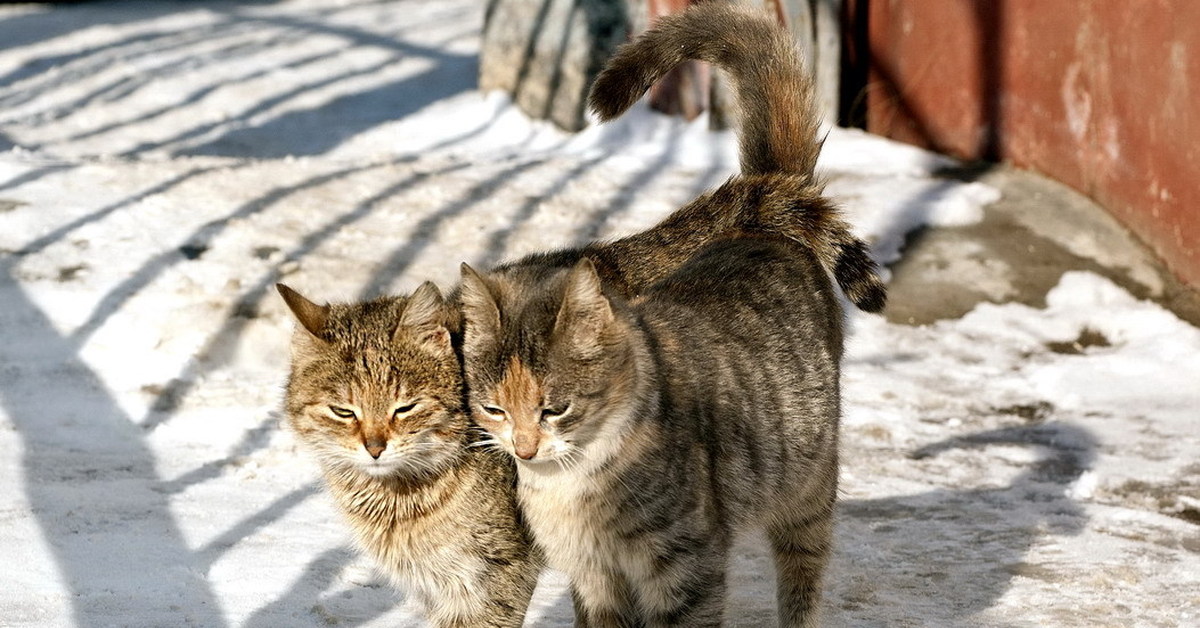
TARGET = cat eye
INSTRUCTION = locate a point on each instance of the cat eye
(551, 413)
(404, 409)
(493, 412)
(343, 413)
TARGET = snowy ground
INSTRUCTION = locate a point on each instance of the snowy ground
(162, 164)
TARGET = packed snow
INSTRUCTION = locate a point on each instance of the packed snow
(163, 164)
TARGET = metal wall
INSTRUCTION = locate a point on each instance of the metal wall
(1103, 95)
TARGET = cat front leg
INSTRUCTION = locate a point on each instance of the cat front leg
(604, 601)
(684, 585)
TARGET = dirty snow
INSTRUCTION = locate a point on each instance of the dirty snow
(162, 164)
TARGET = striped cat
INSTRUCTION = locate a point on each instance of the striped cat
(376, 395)
(653, 415)
(648, 432)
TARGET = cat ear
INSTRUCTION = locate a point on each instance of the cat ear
(585, 312)
(480, 312)
(584, 293)
(310, 315)
(423, 307)
(423, 316)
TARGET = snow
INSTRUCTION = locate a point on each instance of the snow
(163, 164)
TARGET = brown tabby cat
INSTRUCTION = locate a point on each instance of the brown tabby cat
(649, 432)
(376, 394)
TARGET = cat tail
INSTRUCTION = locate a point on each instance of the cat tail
(794, 208)
(815, 220)
(774, 91)
(778, 137)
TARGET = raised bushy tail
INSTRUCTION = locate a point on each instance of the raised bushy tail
(774, 92)
(778, 135)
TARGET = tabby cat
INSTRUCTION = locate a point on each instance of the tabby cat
(648, 432)
(376, 394)
(665, 391)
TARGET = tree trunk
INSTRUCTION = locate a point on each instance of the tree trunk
(545, 53)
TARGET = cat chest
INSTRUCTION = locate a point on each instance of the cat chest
(572, 523)
(432, 558)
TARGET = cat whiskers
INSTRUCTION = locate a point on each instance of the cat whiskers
(487, 442)
(413, 455)
(570, 461)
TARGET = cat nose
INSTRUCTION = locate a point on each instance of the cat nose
(375, 448)
(525, 449)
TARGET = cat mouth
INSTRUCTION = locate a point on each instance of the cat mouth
(378, 468)
(402, 464)
(543, 461)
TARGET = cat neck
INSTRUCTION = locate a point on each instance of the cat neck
(397, 497)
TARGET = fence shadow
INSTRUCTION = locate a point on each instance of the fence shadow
(89, 471)
(85, 91)
(90, 481)
(943, 556)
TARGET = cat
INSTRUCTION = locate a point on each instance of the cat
(375, 393)
(648, 432)
(666, 390)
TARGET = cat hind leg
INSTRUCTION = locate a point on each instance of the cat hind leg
(801, 545)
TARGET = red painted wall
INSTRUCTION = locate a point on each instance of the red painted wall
(1103, 95)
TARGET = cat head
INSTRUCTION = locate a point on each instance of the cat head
(375, 386)
(550, 362)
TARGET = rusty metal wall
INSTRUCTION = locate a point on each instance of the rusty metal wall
(1103, 95)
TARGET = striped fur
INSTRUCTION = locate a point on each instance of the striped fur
(774, 91)
(457, 541)
(779, 127)
(656, 428)
(437, 514)
(771, 204)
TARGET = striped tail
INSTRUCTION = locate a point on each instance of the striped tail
(779, 125)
